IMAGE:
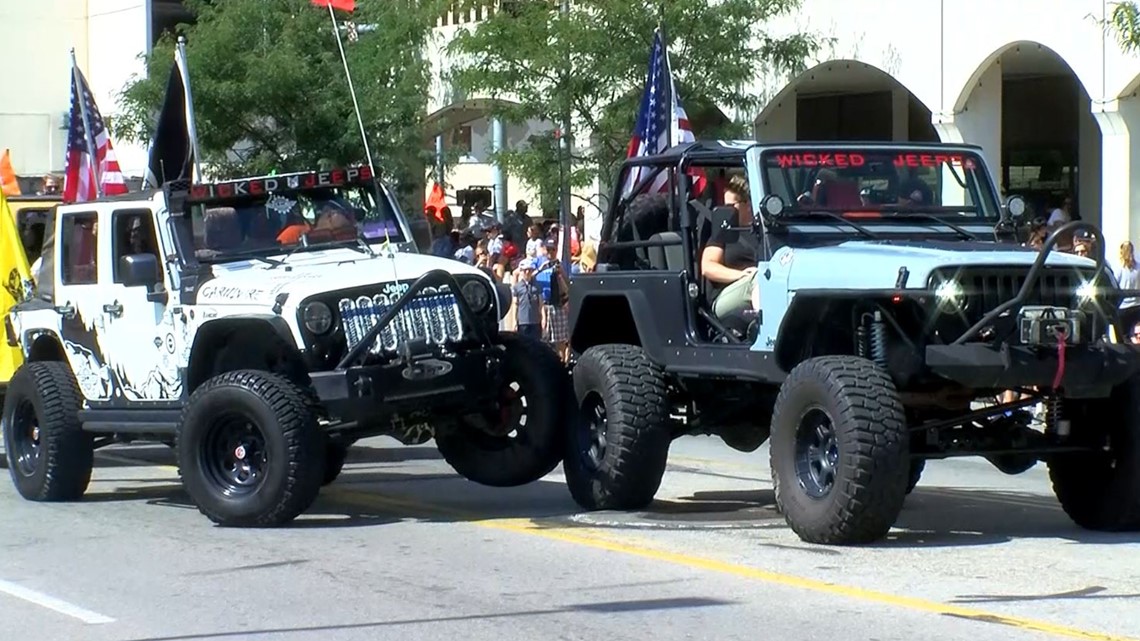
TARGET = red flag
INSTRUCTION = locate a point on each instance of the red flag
(343, 5)
(436, 201)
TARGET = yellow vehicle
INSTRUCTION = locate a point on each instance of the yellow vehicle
(20, 245)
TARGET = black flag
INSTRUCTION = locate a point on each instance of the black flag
(171, 150)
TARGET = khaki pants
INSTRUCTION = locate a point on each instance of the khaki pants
(735, 298)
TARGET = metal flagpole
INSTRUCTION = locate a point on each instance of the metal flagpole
(81, 98)
(667, 74)
(191, 127)
(564, 146)
(359, 119)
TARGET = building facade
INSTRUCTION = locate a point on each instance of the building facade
(36, 39)
(1038, 84)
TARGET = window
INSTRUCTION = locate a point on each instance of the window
(79, 261)
(133, 234)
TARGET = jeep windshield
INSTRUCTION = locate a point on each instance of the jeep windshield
(881, 183)
(276, 215)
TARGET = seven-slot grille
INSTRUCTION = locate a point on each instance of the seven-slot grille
(432, 315)
(987, 287)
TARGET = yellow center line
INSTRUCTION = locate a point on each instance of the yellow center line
(593, 538)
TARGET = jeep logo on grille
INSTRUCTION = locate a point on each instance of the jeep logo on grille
(395, 290)
(426, 369)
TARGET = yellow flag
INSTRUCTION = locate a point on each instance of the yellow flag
(16, 276)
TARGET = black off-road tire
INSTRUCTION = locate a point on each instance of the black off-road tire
(335, 455)
(1100, 490)
(622, 467)
(871, 447)
(61, 470)
(917, 465)
(284, 419)
(499, 459)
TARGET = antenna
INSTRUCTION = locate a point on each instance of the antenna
(359, 119)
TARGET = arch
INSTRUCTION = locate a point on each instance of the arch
(1032, 114)
(878, 92)
(459, 113)
(1021, 55)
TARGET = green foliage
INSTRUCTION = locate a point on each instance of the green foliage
(715, 50)
(270, 92)
(1124, 21)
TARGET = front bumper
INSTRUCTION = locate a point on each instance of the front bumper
(435, 382)
(1089, 370)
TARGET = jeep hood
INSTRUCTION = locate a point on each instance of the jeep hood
(876, 264)
(305, 274)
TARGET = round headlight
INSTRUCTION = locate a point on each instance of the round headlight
(477, 295)
(950, 296)
(317, 317)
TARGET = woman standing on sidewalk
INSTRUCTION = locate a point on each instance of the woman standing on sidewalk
(1128, 277)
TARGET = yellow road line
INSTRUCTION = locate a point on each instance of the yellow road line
(593, 538)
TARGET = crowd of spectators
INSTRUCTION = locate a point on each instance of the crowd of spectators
(524, 253)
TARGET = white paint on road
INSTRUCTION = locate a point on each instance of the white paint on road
(52, 603)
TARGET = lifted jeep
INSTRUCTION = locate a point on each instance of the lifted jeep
(260, 326)
(892, 297)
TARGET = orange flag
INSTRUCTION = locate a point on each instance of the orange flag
(436, 200)
(8, 182)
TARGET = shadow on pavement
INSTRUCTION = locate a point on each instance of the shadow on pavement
(596, 608)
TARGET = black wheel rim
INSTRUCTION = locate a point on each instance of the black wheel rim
(25, 439)
(592, 429)
(817, 453)
(233, 457)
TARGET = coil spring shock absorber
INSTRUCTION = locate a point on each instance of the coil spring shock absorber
(878, 340)
(1055, 421)
(861, 341)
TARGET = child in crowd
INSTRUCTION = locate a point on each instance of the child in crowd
(528, 301)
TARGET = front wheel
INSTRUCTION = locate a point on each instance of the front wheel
(250, 450)
(839, 451)
(1100, 489)
(619, 444)
(519, 440)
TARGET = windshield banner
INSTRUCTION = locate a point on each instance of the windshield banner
(292, 182)
(845, 159)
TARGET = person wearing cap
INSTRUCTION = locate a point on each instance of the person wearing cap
(528, 301)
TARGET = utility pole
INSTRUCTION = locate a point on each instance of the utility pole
(564, 144)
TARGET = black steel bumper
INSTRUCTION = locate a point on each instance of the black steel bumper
(427, 382)
(1088, 371)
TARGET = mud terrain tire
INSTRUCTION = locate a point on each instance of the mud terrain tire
(250, 451)
(619, 443)
(1100, 490)
(536, 387)
(839, 451)
(49, 455)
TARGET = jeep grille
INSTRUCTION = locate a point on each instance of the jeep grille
(433, 316)
(987, 287)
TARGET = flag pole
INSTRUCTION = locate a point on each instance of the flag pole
(80, 98)
(668, 74)
(191, 127)
(359, 118)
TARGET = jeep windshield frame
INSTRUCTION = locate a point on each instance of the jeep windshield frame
(876, 184)
(268, 218)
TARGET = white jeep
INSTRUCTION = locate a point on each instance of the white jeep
(260, 326)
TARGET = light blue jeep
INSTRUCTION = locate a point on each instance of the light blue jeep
(893, 295)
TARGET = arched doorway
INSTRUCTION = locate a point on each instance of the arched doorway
(1028, 108)
(845, 100)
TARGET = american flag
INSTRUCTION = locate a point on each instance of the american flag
(661, 121)
(82, 174)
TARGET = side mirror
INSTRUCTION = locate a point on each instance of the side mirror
(138, 269)
(1015, 206)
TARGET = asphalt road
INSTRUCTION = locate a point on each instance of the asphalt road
(401, 548)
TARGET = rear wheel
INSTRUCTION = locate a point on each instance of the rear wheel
(1100, 490)
(839, 451)
(250, 450)
(519, 440)
(50, 457)
(619, 444)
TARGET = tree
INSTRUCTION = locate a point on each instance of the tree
(270, 92)
(519, 55)
(1124, 20)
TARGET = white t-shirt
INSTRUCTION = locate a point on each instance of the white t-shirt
(1059, 217)
(1129, 279)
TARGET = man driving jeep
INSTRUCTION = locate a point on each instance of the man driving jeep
(728, 261)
